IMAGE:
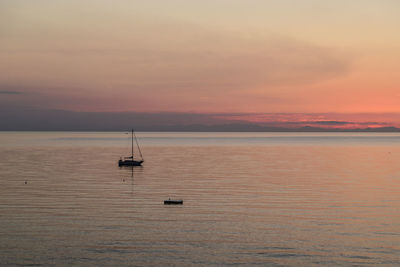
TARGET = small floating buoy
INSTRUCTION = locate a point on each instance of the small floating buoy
(173, 202)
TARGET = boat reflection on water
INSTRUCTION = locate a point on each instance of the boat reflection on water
(128, 173)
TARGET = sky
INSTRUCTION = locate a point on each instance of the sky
(242, 60)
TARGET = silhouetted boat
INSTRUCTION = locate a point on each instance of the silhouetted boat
(130, 161)
(173, 202)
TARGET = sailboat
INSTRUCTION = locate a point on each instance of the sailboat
(130, 161)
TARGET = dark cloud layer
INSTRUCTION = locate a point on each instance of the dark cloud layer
(332, 122)
(5, 92)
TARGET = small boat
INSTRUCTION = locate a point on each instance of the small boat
(130, 161)
(173, 202)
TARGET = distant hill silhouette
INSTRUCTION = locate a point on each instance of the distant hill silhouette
(18, 119)
(258, 128)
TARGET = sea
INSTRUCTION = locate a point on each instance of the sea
(249, 199)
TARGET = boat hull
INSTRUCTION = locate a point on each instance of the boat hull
(130, 163)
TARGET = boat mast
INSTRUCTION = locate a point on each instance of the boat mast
(132, 145)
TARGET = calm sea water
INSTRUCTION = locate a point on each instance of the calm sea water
(251, 199)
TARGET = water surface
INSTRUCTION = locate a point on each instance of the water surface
(251, 199)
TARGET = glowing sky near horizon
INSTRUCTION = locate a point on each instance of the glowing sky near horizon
(245, 56)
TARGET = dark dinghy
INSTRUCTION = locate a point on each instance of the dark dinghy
(173, 202)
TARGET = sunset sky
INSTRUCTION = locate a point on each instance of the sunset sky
(245, 60)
